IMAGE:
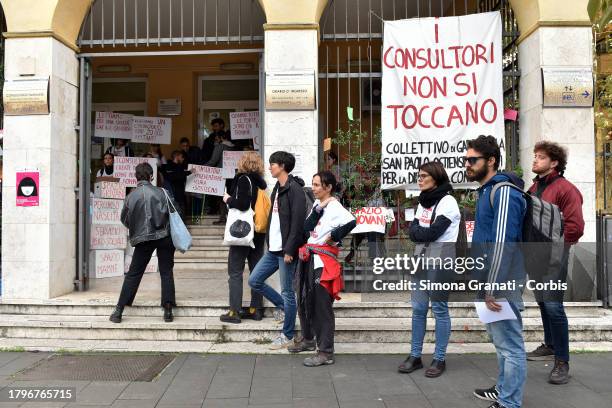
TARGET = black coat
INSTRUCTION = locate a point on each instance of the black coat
(241, 193)
(176, 176)
(291, 213)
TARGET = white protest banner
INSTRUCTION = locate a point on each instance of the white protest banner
(113, 125)
(106, 263)
(106, 211)
(105, 236)
(109, 189)
(230, 163)
(441, 86)
(244, 125)
(151, 130)
(125, 169)
(372, 219)
(205, 180)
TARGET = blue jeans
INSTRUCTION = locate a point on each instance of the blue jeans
(420, 307)
(266, 267)
(556, 334)
(507, 337)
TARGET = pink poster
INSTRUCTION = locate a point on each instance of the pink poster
(27, 188)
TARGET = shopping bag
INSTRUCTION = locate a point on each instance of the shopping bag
(181, 238)
(239, 228)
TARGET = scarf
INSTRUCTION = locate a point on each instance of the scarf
(429, 198)
(108, 170)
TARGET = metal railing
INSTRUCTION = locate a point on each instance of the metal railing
(172, 22)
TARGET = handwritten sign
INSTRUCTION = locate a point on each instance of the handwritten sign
(469, 230)
(113, 125)
(28, 188)
(125, 169)
(442, 86)
(151, 130)
(372, 219)
(106, 263)
(108, 236)
(106, 211)
(230, 163)
(244, 125)
(205, 180)
(109, 189)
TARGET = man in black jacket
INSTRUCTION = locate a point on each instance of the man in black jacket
(146, 216)
(175, 175)
(284, 237)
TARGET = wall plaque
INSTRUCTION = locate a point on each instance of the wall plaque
(292, 90)
(26, 96)
(570, 87)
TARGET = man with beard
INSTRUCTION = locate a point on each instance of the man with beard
(549, 164)
(497, 232)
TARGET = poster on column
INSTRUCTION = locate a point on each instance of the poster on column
(205, 180)
(151, 130)
(113, 125)
(125, 169)
(28, 187)
(244, 125)
(441, 86)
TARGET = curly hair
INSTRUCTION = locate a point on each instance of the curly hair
(251, 162)
(555, 151)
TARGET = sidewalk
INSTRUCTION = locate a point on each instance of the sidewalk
(355, 381)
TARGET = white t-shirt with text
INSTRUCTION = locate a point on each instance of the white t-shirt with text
(447, 207)
(334, 216)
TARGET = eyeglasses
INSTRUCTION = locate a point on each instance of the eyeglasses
(472, 160)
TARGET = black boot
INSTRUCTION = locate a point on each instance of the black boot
(168, 316)
(115, 317)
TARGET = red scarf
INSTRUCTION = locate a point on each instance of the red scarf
(331, 277)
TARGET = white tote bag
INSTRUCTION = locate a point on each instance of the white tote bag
(240, 228)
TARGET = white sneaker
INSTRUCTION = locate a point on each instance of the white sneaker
(278, 315)
(280, 342)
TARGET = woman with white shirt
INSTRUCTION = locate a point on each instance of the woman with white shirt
(319, 272)
(434, 230)
(108, 170)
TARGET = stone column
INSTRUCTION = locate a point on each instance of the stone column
(38, 243)
(556, 33)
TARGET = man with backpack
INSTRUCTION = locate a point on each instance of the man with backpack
(285, 236)
(497, 232)
(549, 164)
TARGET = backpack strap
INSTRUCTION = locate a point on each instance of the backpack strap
(500, 185)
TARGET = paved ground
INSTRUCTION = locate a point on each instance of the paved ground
(368, 381)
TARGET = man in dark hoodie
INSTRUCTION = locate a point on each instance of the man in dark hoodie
(496, 239)
(285, 236)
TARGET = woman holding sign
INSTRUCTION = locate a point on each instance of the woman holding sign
(434, 230)
(242, 194)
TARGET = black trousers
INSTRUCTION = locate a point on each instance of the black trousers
(235, 268)
(142, 256)
(322, 322)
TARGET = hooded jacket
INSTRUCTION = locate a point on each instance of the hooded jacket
(555, 189)
(241, 193)
(498, 232)
(291, 214)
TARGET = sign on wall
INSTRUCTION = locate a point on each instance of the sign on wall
(26, 96)
(125, 169)
(106, 263)
(442, 86)
(570, 87)
(151, 130)
(205, 180)
(292, 90)
(108, 236)
(28, 187)
(244, 125)
(106, 211)
(169, 106)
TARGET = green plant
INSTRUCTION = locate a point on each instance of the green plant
(600, 13)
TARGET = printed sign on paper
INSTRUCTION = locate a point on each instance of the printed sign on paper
(244, 125)
(442, 85)
(230, 163)
(205, 180)
(372, 219)
(125, 169)
(108, 236)
(151, 130)
(113, 125)
(28, 187)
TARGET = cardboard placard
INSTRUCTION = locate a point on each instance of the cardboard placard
(106, 263)
(106, 211)
(244, 125)
(108, 236)
(230, 163)
(28, 188)
(205, 180)
(125, 169)
(151, 130)
(108, 189)
(113, 125)
(372, 219)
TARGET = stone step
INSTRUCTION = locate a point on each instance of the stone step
(198, 261)
(345, 309)
(348, 330)
(203, 255)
